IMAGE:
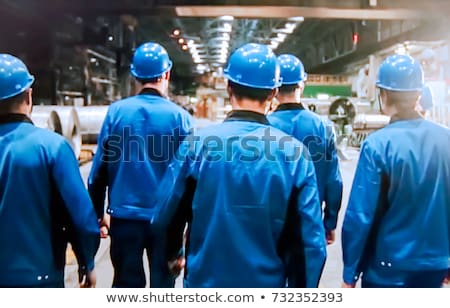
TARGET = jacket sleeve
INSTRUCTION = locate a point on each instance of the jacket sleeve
(173, 186)
(310, 230)
(84, 229)
(98, 177)
(333, 186)
(361, 211)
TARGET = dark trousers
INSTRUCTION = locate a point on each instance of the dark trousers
(129, 239)
(413, 279)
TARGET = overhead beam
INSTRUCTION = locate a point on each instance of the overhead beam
(431, 32)
(241, 11)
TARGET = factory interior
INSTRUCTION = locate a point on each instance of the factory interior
(80, 54)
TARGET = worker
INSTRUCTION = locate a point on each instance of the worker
(43, 201)
(426, 101)
(396, 231)
(139, 137)
(317, 134)
(246, 191)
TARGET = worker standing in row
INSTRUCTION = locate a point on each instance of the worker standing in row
(317, 135)
(43, 201)
(396, 231)
(139, 137)
(247, 192)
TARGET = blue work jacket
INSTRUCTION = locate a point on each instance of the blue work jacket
(318, 137)
(250, 199)
(138, 139)
(398, 215)
(43, 206)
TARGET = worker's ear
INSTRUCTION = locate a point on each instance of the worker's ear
(273, 94)
(29, 100)
(166, 75)
(229, 90)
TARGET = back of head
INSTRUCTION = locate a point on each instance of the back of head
(253, 68)
(150, 62)
(15, 79)
(400, 77)
(292, 70)
(292, 73)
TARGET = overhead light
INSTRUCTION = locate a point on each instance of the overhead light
(227, 27)
(274, 44)
(176, 32)
(185, 47)
(227, 18)
(181, 40)
(278, 38)
(110, 38)
(297, 18)
(93, 60)
(290, 25)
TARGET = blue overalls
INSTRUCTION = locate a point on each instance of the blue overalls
(250, 199)
(138, 139)
(43, 206)
(318, 137)
(396, 230)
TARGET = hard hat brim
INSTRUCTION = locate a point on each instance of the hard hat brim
(21, 90)
(136, 75)
(381, 86)
(276, 85)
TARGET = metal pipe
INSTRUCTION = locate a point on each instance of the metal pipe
(69, 123)
(91, 121)
(46, 118)
(100, 56)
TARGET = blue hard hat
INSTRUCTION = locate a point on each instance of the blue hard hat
(292, 70)
(150, 60)
(14, 76)
(426, 100)
(255, 66)
(400, 73)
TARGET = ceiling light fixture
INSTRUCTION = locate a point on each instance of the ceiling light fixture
(176, 32)
(296, 18)
(227, 18)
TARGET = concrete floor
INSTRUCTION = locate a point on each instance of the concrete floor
(333, 268)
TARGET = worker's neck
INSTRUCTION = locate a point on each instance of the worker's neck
(250, 105)
(158, 86)
(401, 111)
(288, 98)
(22, 110)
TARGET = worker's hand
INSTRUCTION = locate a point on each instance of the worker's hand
(104, 226)
(176, 266)
(348, 285)
(87, 279)
(447, 279)
(330, 236)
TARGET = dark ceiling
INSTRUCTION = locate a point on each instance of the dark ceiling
(333, 34)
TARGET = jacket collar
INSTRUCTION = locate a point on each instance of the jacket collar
(247, 115)
(14, 117)
(290, 106)
(150, 91)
